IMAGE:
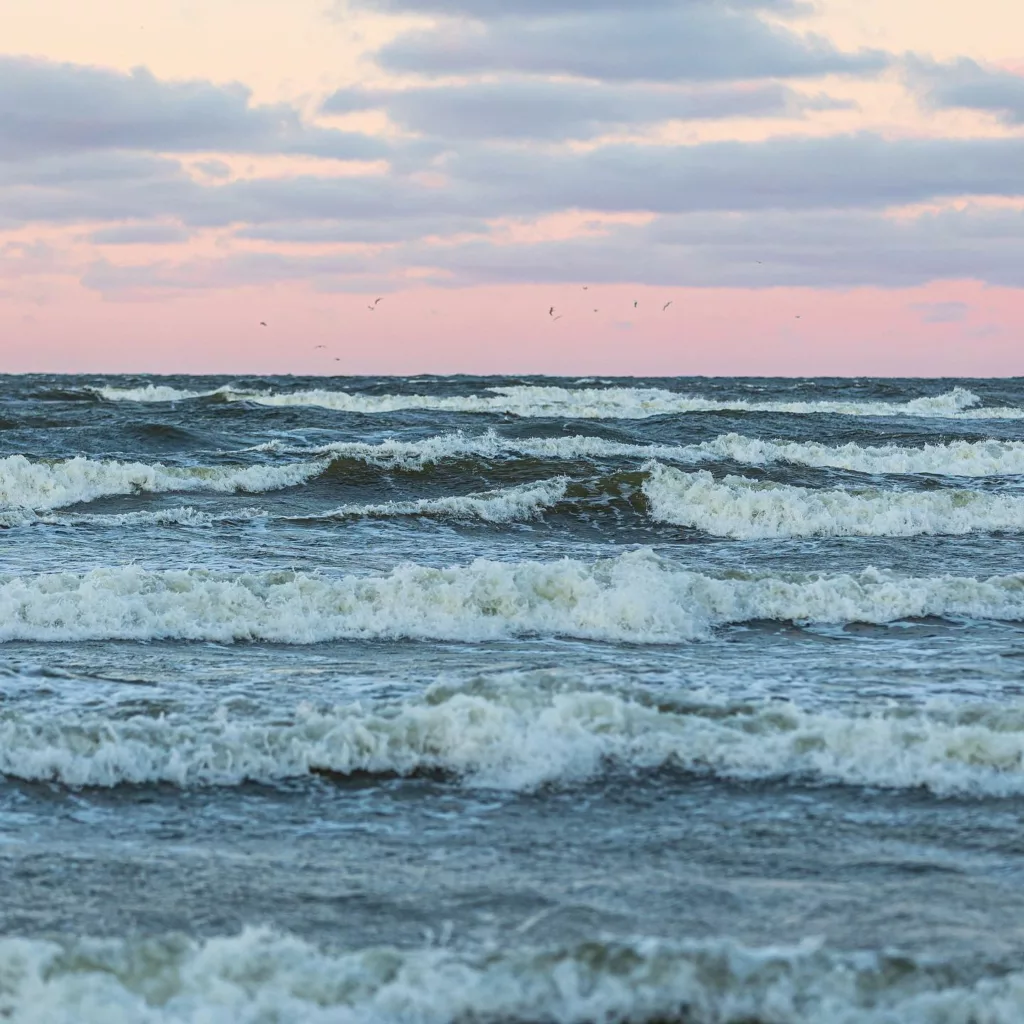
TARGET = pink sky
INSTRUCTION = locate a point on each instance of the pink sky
(865, 221)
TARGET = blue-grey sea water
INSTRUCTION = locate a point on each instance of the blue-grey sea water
(511, 700)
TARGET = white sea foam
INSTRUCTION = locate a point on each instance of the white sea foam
(520, 739)
(958, 458)
(47, 485)
(151, 393)
(262, 976)
(635, 597)
(752, 510)
(577, 403)
(504, 505)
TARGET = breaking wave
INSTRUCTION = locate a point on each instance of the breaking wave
(504, 505)
(48, 485)
(635, 597)
(519, 739)
(958, 458)
(752, 510)
(264, 975)
(574, 403)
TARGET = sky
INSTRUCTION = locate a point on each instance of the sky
(815, 186)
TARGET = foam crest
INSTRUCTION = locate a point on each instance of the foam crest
(262, 975)
(575, 403)
(519, 740)
(958, 458)
(505, 505)
(151, 393)
(751, 510)
(47, 485)
(635, 597)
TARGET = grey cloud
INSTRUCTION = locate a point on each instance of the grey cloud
(487, 182)
(969, 85)
(60, 109)
(762, 250)
(140, 234)
(683, 42)
(861, 170)
(369, 231)
(825, 249)
(503, 9)
(549, 110)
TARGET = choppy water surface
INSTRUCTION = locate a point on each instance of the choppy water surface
(511, 700)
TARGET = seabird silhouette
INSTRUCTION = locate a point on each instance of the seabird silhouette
(263, 323)
(559, 317)
(551, 311)
(667, 304)
(635, 304)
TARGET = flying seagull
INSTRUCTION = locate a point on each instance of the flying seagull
(667, 304)
(551, 311)
(635, 304)
(263, 323)
(585, 287)
(319, 346)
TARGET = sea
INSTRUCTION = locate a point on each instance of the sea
(511, 700)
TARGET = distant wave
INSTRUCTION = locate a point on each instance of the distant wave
(752, 510)
(263, 975)
(516, 738)
(635, 597)
(957, 458)
(47, 485)
(574, 403)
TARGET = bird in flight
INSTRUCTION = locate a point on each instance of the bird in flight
(797, 317)
(374, 306)
(263, 323)
(319, 346)
(551, 311)
(559, 317)
(585, 287)
(635, 304)
(596, 311)
(667, 304)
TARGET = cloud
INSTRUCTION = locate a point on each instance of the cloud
(486, 182)
(824, 249)
(140, 234)
(690, 40)
(365, 231)
(860, 170)
(491, 9)
(557, 110)
(967, 84)
(942, 312)
(50, 109)
(764, 249)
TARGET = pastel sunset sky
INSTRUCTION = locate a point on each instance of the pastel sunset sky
(833, 186)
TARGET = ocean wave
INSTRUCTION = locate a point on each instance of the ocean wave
(48, 485)
(636, 597)
(753, 510)
(957, 458)
(502, 505)
(575, 403)
(263, 975)
(519, 739)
